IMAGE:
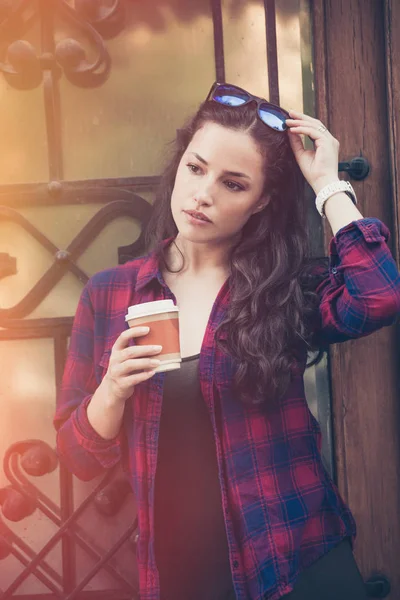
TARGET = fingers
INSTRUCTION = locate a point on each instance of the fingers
(138, 352)
(133, 380)
(295, 114)
(130, 365)
(133, 365)
(314, 133)
(129, 334)
(305, 124)
(124, 376)
(296, 143)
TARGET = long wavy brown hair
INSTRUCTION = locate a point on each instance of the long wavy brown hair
(272, 299)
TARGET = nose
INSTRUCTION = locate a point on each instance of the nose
(205, 193)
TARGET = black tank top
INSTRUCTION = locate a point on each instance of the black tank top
(190, 537)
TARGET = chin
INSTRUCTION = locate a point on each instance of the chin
(199, 237)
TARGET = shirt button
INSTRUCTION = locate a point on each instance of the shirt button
(334, 270)
(235, 564)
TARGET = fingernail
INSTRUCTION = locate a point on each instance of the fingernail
(144, 329)
(157, 348)
(155, 362)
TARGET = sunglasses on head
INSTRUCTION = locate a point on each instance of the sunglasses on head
(230, 95)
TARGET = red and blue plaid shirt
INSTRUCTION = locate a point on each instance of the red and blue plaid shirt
(282, 511)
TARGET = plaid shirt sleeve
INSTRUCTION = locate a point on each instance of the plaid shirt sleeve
(362, 291)
(79, 446)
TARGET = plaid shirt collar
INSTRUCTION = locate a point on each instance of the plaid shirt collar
(150, 267)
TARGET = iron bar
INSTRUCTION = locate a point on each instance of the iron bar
(35, 328)
(216, 10)
(8, 214)
(36, 572)
(51, 510)
(74, 192)
(8, 265)
(89, 576)
(139, 209)
(39, 291)
(53, 541)
(11, 539)
(68, 551)
(272, 50)
(50, 91)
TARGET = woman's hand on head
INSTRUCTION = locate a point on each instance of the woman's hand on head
(129, 365)
(319, 166)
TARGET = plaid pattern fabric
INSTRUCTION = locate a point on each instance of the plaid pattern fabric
(282, 511)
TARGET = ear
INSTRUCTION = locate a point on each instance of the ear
(261, 204)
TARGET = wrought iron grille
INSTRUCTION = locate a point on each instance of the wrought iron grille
(25, 66)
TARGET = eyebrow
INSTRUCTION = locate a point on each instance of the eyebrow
(233, 173)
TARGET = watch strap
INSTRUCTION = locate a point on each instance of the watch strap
(330, 190)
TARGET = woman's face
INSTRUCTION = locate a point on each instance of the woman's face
(221, 175)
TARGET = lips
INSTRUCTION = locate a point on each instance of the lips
(197, 215)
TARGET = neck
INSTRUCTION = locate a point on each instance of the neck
(199, 259)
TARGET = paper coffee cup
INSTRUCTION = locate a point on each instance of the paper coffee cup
(162, 316)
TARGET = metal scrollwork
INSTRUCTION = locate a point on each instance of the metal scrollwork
(22, 498)
(23, 65)
(132, 205)
(8, 265)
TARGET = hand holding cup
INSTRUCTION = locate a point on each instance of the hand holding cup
(162, 316)
(129, 365)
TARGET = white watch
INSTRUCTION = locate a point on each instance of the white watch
(330, 190)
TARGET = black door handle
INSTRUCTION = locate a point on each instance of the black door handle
(357, 168)
(377, 586)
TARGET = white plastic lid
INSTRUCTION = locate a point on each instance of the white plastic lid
(150, 308)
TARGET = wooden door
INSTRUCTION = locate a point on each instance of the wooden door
(357, 58)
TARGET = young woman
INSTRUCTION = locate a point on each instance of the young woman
(223, 454)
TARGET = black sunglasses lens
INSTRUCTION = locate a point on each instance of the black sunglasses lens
(229, 95)
(273, 117)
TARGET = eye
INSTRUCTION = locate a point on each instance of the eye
(193, 168)
(233, 186)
